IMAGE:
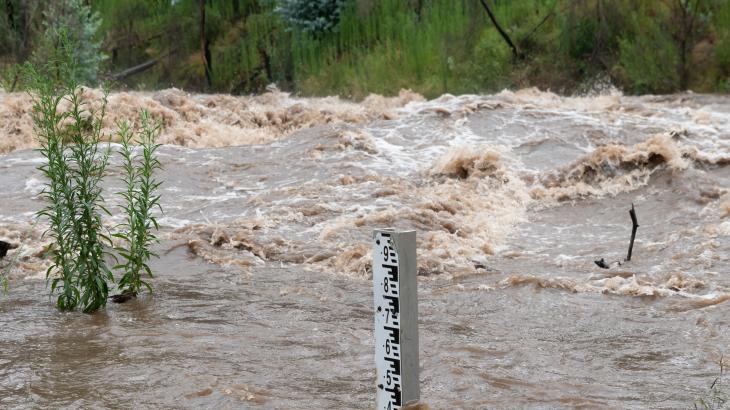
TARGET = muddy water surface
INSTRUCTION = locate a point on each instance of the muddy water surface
(262, 293)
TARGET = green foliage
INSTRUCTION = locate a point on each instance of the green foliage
(11, 28)
(17, 28)
(70, 142)
(250, 55)
(69, 131)
(355, 47)
(392, 45)
(71, 21)
(10, 76)
(494, 58)
(311, 16)
(19, 23)
(722, 48)
(591, 28)
(648, 59)
(140, 199)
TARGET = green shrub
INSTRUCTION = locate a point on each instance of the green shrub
(722, 48)
(74, 22)
(648, 59)
(75, 164)
(493, 59)
(69, 131)
(311, 16)
(9, 77)
(140, 199)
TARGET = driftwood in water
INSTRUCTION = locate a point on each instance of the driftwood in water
(123, 297)
(4, 247)
(601, 263)
(634, 227)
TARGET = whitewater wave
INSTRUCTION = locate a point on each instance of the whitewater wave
(470, 173)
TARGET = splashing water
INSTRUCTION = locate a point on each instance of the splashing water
(263, 297)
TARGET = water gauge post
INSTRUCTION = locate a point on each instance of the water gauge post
(396, 318)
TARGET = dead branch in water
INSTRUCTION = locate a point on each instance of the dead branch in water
(634, 227)
(4, 247)
(602, 264)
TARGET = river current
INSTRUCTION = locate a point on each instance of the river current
(263, 295)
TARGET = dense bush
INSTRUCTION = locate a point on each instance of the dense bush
(74, 168)
(140, 200)
(722, 47)
(311, 16)
(493, 57)
(648, 59)
(75, 20)
(68, 125)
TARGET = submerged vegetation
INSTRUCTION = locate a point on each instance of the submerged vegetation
(140, 200)
(70, 142)
(355, 47)
(69, 129)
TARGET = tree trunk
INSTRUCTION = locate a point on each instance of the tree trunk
(266, 63)
(686, 36)
(683, 46)
(10, 13)
(204, 49)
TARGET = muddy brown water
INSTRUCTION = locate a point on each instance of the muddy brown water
(262, 293)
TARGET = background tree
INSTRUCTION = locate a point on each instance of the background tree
(355, 47)
(75, 20)
(20, 23)
(311, 16)
(204, 45)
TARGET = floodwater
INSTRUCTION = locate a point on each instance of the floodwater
(262, 292)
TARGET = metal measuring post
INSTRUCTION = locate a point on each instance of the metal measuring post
(396, 318)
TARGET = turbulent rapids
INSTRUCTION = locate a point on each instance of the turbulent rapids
(269, 205)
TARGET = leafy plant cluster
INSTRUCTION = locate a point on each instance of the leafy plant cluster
(140, 200)
(75, 20)
(69, 129)
(34, 31)
(311, 16)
